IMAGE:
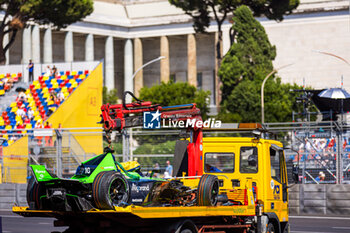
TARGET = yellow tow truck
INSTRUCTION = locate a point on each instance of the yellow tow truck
(240, 185)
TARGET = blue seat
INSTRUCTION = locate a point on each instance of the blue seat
(80, 72)
(61, 72)
(58, 90)
(68, 85)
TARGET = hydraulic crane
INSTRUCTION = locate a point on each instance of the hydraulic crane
(127, 115)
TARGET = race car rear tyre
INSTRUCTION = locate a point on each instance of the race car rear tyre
(208, 190)
(270, 228)
(110, 189)
(35, 191)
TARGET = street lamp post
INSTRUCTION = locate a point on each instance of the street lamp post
(262, 90)
(127, 141)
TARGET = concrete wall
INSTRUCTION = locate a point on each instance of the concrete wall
(319, 199)
(12, 193)
(309, 199)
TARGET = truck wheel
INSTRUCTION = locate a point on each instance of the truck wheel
(208, 190)
(110, 189)
(270, 228)
(34, 191)
(286, 228)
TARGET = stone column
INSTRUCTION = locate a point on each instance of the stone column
(109, 63)
(226, 41)
(4, 43)
(191, 60)
(26, 50)
(138, 59)
(26, 45)
(48, 46)
(128, 68)
(68, 47)
(36, 44)
(217, 79)
(164, 63)
(89, 47)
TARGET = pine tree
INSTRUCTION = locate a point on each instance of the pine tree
(243, 69)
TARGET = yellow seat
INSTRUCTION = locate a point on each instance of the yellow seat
(72, 80)
(29, 126)
(14, 109)
(35, 82)
(2, 92)
(55, 85)
(63, 77)
(75, 84)
(10, 142)
(45, 89)
(36, 113)
(36, 118)
(13, 75)
(27, 91)
(2, 76)
(8, 127)
(2, 122)
(50, 102)
(46, 95)
(82, 76)
(74, 72)
(64, 89)
(19, 122)
(5, 136)
(66, 94)
(13, 104)
(37, 86)
(45, 78)
(18, 118)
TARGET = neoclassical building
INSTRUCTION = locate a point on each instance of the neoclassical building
(128, 33)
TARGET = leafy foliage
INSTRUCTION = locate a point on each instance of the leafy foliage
(109, 96)
(57, 13)
(200, 10)
(167, 94)
(243, 69)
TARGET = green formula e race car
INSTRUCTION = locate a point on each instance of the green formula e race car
(102, 183)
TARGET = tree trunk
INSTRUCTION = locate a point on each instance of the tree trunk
(2, 51)
(218, 51)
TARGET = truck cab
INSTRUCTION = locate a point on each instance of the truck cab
(249, 162)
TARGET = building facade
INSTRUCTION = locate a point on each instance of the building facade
(127, 34)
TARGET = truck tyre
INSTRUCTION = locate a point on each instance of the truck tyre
(34, 191)
(208, 190)
(270, 228)
(110, 189)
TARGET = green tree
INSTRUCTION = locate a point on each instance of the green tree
(243, 69)
(168, 94)
(109, 96)
(200, 11)
(57, 13)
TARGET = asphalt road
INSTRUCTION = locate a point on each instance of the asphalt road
(12, 223)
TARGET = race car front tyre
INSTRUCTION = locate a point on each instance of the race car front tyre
(208, 190)
(110, 189)
(35, 191)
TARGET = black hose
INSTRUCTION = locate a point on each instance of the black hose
(132, 95)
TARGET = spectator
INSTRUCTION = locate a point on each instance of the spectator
(48, 71)
(321, 177)
(156, 168)
(31, 70)
(48, 139)
(60, 96)
(21, 112)
(30, 114)
(168, 170)
(54, 71)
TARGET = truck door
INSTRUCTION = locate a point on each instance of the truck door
(279, 183)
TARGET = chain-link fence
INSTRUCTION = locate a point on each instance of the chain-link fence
(314, 146)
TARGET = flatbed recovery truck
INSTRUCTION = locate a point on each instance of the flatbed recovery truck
(253, 186)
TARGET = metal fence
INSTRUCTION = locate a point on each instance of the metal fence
(315, 146)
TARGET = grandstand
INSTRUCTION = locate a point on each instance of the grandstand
(49, 100)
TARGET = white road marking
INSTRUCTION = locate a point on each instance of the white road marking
(341, 227)
(45, 223)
